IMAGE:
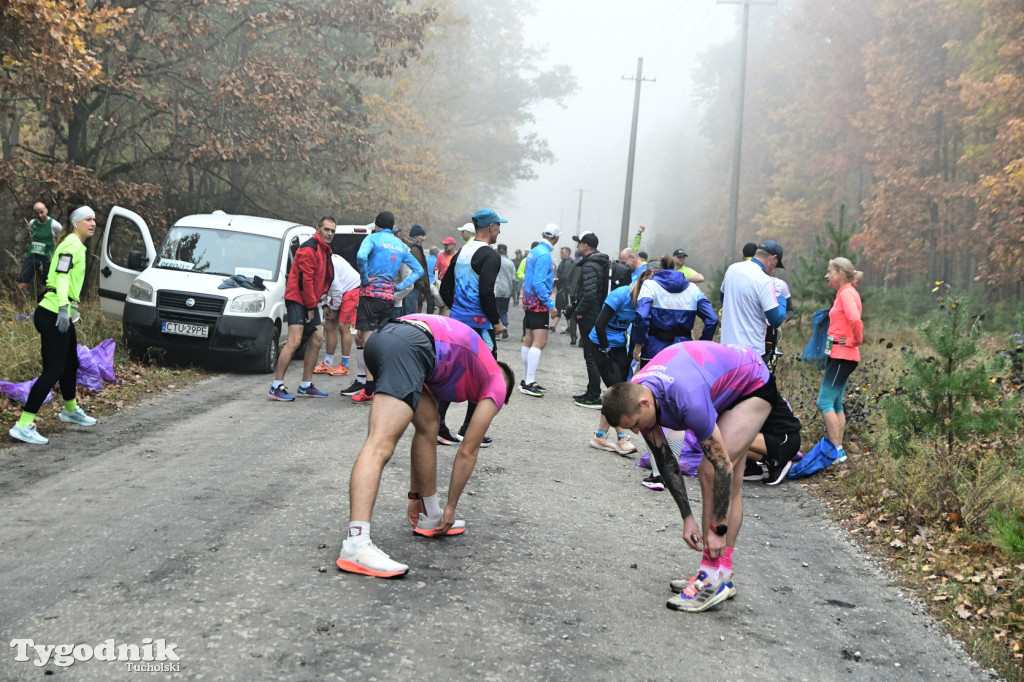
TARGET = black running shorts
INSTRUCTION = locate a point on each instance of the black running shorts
(536, 319)
(781, 448)
(373, 312)
(400, 356)
(296, 313)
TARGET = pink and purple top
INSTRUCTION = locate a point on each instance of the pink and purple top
(695, 380)
(465, 368)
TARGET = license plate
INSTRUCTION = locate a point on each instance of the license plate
(199, 330)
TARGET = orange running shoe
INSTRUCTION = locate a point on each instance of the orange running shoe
(339, 371)
(323, 368)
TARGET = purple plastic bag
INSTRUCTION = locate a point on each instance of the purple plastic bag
(685, 447)
(96, 365)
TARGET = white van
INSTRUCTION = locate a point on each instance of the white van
(172, 297)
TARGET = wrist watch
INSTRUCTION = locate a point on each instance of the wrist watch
(720, 529)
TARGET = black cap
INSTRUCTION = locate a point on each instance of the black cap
(680, 253)
(588, 238)
(385, 220)
(774, 248)
(417, 231)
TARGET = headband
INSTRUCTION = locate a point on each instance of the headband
(80, 213)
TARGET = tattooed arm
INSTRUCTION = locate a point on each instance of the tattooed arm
(674, 480)
(721, 487)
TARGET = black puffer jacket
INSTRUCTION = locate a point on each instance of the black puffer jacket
(592, 287)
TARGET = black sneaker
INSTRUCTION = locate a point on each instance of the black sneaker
(462, 434)
(572, 341)
(504, 334)
(591, 401)
(753, 471)
(777, 475)
(445, 437)
(354, 388)
(532, 389)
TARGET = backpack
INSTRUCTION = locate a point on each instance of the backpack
(818, 459)
(619, 275)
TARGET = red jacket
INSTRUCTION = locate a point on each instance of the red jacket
(311, 274)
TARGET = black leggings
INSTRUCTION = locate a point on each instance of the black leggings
(613, 367)
(60, 360)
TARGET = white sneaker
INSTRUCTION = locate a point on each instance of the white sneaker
(77, 417)
(427, 527)
(368, 559)
(28, 434)
(603, 443)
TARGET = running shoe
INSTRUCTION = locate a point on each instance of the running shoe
(428, 527)
(531, 389)
(678, 586)
(700, 596)
(77, 417)
(28, 434)
(356, 387)
(841, 457)
(777, 475)
(752, 471)
(368, 559)
(280, 393)
(462, 434)
(624, 445)
(654, 483)
(445, 437)
(603, 443)
(311, 391)
(339, 371)
(323, 368)
(362, 397)
(591, 401)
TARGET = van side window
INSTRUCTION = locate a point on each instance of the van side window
(293, 246)
(125, 237)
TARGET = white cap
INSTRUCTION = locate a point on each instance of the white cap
(468, 227)
(551, 230)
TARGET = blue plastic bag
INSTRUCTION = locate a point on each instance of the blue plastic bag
(815, 349)
(818, 459)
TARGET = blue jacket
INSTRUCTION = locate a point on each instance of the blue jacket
(538, 279)
(380, 256)
(620, 304)
(666, 309)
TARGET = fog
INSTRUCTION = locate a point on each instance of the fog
(589, 137)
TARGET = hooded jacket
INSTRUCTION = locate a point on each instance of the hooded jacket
(592, 286)
(312, 273)
(666, 309)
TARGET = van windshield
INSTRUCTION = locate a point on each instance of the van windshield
(219, 252)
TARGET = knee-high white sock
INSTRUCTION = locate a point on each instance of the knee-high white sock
(360, 365)
(654, 466)
(525, 354)
(532, 360)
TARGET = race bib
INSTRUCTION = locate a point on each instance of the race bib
(39, 248)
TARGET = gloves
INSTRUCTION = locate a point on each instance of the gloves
(63, 319)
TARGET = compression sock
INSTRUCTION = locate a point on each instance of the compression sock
(329, 359)
(710, 566)
(26, 418)
(71, 405)
(654, 465)
(532, 360)
(358, 534)
(525, 354)
(431, 507)
(725, 563)
(360, 365)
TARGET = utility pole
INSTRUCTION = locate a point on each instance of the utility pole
(734, 192)
(632, 149)
(579, 210)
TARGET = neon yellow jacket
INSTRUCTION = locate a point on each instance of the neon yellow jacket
(67, 274)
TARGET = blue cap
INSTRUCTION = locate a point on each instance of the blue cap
(486, 217)
(774, 248)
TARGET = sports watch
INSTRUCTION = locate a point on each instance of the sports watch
(720, 529)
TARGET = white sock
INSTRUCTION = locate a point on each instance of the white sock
(329, 359)
(305, 384)
(276, 384)
(654, 466)
(358, 534)
(432, 507)
(532, 360)
(525, 354)
(360, 365)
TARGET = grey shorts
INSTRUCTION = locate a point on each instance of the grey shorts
(400, 356)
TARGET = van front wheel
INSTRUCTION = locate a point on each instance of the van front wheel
(267, 362)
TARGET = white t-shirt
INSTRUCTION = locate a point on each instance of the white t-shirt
(346, 278)
(782, 288)
(749, 293)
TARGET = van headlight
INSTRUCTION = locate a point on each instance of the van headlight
(141, 291)
(249, 303)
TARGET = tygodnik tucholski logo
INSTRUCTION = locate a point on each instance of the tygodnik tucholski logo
(152, 655)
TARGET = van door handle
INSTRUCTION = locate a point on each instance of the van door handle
(105, 271)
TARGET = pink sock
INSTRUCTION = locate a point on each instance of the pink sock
(725, 563)
(710, 566)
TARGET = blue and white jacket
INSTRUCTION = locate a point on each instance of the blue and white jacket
(379, 258)
(539, 278)
(666, 309)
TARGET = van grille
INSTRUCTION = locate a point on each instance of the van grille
(168, 301)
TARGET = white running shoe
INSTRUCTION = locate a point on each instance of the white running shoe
(77, 417)
(603, 443)
(28, 434)
(427, 527)
(368, 559)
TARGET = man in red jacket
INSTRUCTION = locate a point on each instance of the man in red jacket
(308, 280)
